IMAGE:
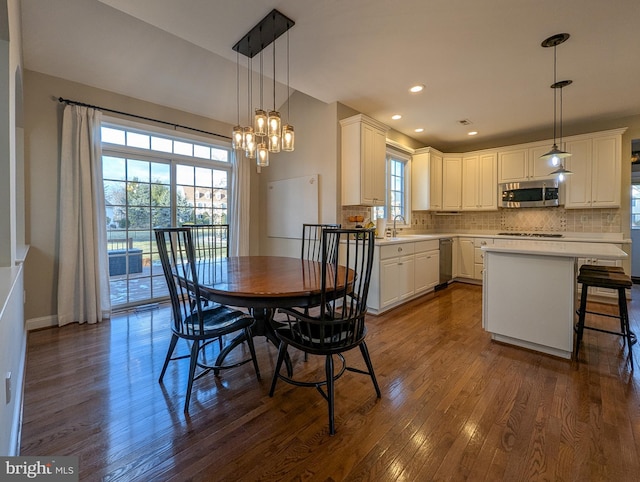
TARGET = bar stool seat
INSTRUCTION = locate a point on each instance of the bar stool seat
(612, 277)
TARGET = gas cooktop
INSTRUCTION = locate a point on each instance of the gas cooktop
(533, 235)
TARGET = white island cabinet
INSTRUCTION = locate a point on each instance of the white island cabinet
(529, 292)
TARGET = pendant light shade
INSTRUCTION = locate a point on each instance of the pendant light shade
(288, 138)
(260, 123)
(274, 143)
(554, 155)
(237, 137)
(561, 173)
(262, 156)
(274, 123)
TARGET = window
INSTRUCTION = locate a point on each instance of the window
(398, 180)
(635, 206)
(153, 180)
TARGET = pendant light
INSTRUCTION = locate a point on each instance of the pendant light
(264, 133)
(260, 119)
(556, 155)
(561, 172)
(288, 135)
(237, 136)
(274, 128)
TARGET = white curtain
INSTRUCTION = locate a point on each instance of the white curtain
(83, 278)
(240, 197)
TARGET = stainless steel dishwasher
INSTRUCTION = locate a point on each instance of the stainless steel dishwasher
(446, 268)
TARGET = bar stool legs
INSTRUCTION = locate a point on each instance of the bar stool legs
(604, 277)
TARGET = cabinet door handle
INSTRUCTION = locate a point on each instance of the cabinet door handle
(483, 243)
(399, 250)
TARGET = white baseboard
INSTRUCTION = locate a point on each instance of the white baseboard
(41, 322)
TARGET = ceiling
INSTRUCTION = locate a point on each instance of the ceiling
(479, 60)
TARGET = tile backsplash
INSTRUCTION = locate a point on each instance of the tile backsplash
(529, 219)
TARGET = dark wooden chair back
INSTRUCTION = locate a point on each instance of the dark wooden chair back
(312, 240)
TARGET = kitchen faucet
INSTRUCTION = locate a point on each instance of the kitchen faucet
(394, 233)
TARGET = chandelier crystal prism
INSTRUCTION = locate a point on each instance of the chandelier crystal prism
(264, 133)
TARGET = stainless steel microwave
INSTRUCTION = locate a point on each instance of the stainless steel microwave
(530, 194)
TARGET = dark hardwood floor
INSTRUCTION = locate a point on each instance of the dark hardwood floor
(455, 406)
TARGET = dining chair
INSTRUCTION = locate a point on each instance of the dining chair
(193, 321)
(211, 243)
(340, 324)
(312, 240)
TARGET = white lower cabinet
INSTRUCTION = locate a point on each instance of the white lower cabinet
(396, 280)
(427, 266)
(466, 258)
(402, 272)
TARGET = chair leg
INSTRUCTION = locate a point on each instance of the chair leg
(581, 316)
(367, 360)
(247, 334)
(193, 362)
(282, 351)
(172, 346)
(624, 321)
(330, 392)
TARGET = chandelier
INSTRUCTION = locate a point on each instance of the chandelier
(264, 132)
(556, 155)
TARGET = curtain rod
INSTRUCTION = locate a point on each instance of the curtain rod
(82, 104)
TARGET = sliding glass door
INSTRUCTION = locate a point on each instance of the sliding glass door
(145, 190)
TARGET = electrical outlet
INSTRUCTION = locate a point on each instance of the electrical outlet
(584, 218)
(7, 388)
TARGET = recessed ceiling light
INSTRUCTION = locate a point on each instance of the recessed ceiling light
(472, 133)
(416, 88)
(396, 117)
(419, 129)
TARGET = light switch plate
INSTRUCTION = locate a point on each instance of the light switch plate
(7, 388)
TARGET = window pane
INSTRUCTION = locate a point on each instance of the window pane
(160, 173)
(202, 152)
(161, 144)
(219, 154)
(203, 177)
(137, 140)
(161, 217)
(138, 218)
(184, 175)
(160, 195)
(138, 194)
(219, 178)
(113, 168)
(138, 170)
(114, 193)
(113, 136)
(183, 148)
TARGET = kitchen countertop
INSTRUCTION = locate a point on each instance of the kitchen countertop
(580, 238)
(562, 249)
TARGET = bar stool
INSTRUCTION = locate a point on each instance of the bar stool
(612, 277)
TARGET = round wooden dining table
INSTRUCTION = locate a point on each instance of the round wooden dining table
(262, 284)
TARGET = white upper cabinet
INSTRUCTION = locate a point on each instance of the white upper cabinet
(596, 165)
(426, 180)
(451, 183)
(479, 182)
(363, 155)
(524, 164)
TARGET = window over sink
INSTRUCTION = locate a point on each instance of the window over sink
(398, 180)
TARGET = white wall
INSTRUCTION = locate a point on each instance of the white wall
(316, 152)
(12, 329)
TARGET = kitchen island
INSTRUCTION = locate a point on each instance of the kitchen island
(529, 292)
